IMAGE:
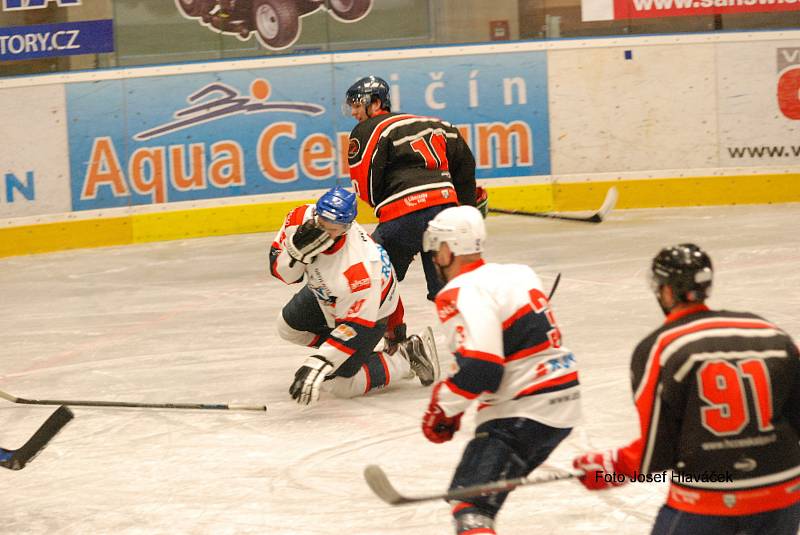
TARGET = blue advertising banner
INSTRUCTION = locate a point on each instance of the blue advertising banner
(62, 39)
(270, 130)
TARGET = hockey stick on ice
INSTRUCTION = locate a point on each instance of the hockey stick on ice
(380, 485)
(598, 217)
(555, 285)
(17, 459)
(83, 403)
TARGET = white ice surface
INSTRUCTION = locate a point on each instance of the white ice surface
(193, 321)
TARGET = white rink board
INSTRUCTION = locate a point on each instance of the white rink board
(611, 114)
(33, 129)
(749, 113)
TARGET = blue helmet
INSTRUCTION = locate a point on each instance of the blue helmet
(366, 90)
(337, 205)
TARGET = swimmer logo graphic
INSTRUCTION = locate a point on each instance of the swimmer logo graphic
(196, 137)
(222, 100)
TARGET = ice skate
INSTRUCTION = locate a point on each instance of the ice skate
(421, 354)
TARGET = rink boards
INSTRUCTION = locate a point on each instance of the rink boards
(135, 155)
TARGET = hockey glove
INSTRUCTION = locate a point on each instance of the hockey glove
(393, 337)
(308, 378)
(482, 201)
(601, 470)
(437, 426)
(307, 242)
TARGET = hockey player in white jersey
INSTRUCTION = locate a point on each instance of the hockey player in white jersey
(509, 359)
(342, 311)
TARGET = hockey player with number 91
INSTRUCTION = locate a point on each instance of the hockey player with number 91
(718, 398)
(509, 359)
(343, 309)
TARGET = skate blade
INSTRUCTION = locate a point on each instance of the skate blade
(430, 347)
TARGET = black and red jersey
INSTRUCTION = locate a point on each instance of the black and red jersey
(718, 397)
(401, 163)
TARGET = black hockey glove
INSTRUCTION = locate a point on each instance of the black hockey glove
(307, 242)
(392, 338)
(308, 378)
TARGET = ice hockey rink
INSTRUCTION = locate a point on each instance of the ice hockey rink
(193, 321)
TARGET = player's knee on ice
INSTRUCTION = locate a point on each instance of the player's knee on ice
(290, 334)
(346, 387)
(378, 370)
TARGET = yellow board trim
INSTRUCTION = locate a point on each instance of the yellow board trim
(249, 218)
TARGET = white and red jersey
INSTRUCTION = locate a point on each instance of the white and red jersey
(353, 281)
(507, 346)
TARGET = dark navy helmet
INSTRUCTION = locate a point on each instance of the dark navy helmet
(685, 268)
(368, 89)
(337, 205)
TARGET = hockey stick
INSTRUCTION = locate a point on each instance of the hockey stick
(380, 485)
(598, 217)
(555, 285)
(17, 459)
(202, 406)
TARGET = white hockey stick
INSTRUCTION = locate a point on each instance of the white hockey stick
(84, 403)
(380, 485)
(598, 217)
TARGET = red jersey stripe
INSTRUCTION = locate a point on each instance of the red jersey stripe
(517, 315)
(360, 172)
(555, 381)
(529, 351)
(480, 355)
(341, 347)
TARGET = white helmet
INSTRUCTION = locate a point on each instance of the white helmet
(461, 227)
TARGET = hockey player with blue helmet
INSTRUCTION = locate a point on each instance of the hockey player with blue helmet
(343, 309)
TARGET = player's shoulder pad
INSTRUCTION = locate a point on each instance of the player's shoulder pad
(447, 303)
(298, 215)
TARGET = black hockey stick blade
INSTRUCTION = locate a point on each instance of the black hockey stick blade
(555, 285)
(608, 204)
(39, 441)
(85, 403)
(382, 487)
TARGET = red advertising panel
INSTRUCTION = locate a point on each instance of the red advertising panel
(638, 9)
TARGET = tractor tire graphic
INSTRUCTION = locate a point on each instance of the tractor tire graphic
(277, 22)
(350, 10)
(191, 8)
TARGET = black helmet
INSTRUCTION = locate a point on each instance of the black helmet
(685, 268)
(366, 90)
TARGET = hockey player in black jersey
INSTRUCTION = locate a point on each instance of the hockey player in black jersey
(408, 168)
(718, 397)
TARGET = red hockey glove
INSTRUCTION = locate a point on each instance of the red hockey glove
(482, 201)
(437, 426)
(601, 470)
